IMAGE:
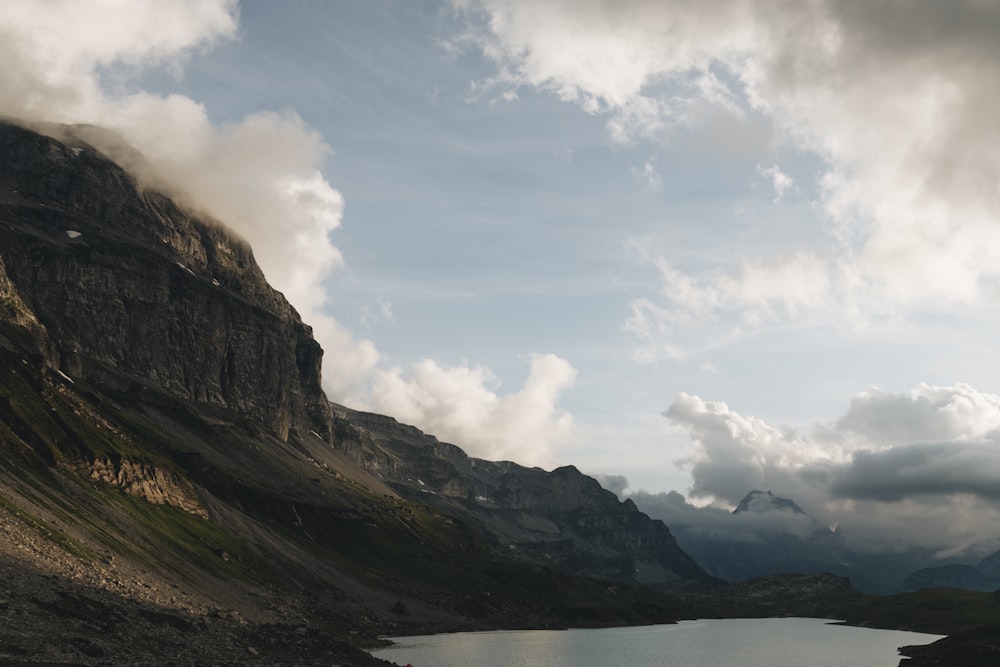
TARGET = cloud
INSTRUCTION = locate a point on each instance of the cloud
(69, 62)
(382, 313)
(649, 176)
(919, 467)
(260, 176)
(780, 181)
(734, 454)
(929, 441)
(893, 97)
(719, 523)
(927, 413)
(616, 484)
(460, 404)
(794, 285)
(602, 55)
(58, 54)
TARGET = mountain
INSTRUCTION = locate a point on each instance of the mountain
(122, 287)
(985, 576)
(989, 567)
(174, 482)
(767, 535)
(760, 501)
(948, 576)
(175, 487)
(562, 519)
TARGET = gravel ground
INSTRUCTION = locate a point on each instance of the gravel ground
(58, 609)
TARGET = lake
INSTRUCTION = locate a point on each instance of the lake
(758, 642)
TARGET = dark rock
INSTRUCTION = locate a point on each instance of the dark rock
(760, 501)
(146, 295)
(561, 519)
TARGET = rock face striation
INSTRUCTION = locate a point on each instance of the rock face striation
(561, 519)
(145, 481)
(119, 285)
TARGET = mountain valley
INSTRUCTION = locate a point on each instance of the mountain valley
(174, 484)
(166, 446)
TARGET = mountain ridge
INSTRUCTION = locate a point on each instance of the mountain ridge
(771, 535)
(53, 218)
(561, 518)
(761, 501)
(174, 485)
(167, 452)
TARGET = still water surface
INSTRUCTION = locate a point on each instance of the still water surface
(766, 642)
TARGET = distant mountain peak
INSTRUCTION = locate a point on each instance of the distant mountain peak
(765, 501)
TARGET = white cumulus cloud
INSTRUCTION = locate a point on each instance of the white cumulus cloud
(461, 404)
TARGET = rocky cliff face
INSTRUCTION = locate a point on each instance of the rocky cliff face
(152, 484)
(561, 518)
(127, 288)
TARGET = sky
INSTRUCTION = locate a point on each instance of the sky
(692, 248)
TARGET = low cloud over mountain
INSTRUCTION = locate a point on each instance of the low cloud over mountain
(868, 474)
(66, 62)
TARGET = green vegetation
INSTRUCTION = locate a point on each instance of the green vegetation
(47, 530)
(185, 543)
(407, 550)
(316, 522)
(934, 610)
(60, 423)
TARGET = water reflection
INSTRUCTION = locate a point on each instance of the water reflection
(769, 642)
